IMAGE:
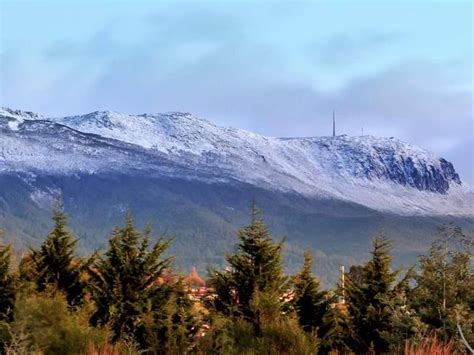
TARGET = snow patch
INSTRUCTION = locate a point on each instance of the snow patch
(45, 199)
(14, 124)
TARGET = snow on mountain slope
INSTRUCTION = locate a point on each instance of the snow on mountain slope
(380, 173)
(304, 158)
(16, 117)
(45, 147)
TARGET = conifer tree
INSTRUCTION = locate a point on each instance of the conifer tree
(7, 284)
(336, 329)
(368, 307)
(129, 293)
(444, 292)
(405, 324)
(54, 262)
(311, 304)
(254, 270)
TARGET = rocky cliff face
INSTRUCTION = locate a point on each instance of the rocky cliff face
(388, 159)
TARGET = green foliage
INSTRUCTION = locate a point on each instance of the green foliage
(249, 295)
(54, 262)
(45, 324)
(7, 292)
(336, 327)
(255, 268)
(7, 284)
(444, 291)
(405, 322)
(284, 336)
(129, 296)
(372, 302)
(313, 305)
(135, 304)
(280, 335)
(172, 328)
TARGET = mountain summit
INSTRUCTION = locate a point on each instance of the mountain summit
(380, 173)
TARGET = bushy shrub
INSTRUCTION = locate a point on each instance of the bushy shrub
(237, 336)
(44, 323)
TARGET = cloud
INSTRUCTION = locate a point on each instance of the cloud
(102, 44)
(204, 61)
(199, 23)
(345, 49)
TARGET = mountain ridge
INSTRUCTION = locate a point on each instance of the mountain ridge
(381, 173)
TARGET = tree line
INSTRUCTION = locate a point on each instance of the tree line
(128, 300)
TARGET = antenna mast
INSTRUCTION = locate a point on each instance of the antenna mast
(333, 122)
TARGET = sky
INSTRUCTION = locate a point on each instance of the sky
(278, 68)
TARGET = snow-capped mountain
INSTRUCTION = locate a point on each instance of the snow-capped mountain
(384, 174)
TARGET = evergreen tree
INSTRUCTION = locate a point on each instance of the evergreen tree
(311, 304)
(255, 269)
(405, 323)
(444, 292)
(7, 284)
(7, 295)
(129, 292)
(54, 262)
(338, 327)
(368, 307)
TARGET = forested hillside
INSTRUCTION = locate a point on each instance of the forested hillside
(130, 298)
(207, 216)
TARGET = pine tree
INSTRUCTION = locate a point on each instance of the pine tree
(405, 323)
(368, 307)
(444, 292)
(128, 289)
(254, 270)
(337, 328)
(311, 304)
(55, 264)
(7, 284)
